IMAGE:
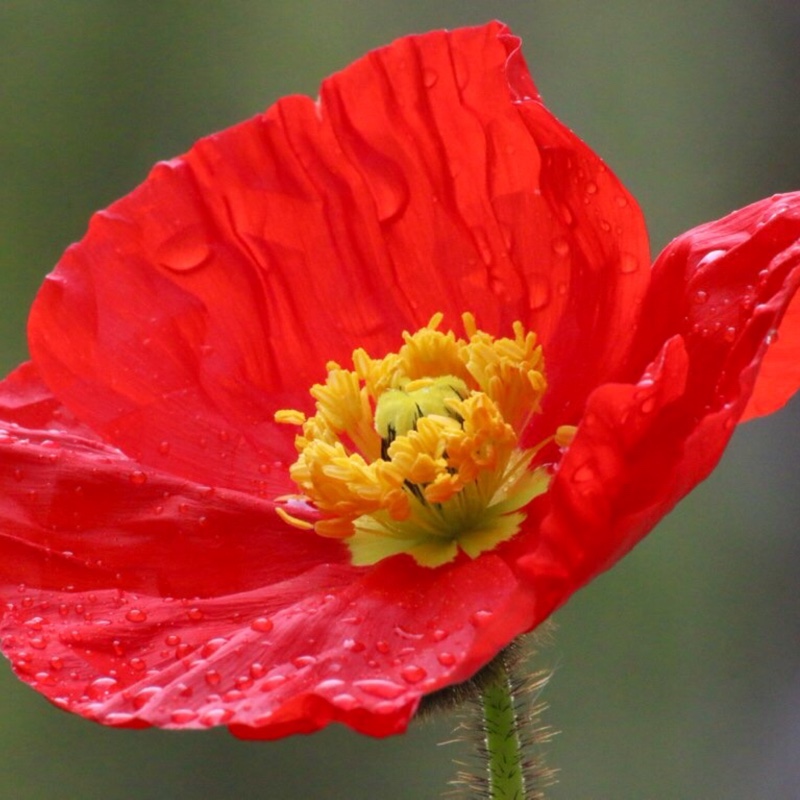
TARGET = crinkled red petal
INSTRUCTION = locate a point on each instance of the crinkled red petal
(428, 177)
(716, 305)
(136, 598)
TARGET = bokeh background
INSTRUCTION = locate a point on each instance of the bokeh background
(677, 673)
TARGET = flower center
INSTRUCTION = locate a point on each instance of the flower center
(418, 452)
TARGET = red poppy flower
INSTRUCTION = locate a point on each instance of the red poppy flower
(172, 554)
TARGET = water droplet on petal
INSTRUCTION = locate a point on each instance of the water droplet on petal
(539, 291)
(118, 718)
(481, 617)
(710, 257)
(216, 716)
(262, 624)
(137, 477)
(648, 405)
(700, 297)
(331, 683)
(378, 687)
(213, 677)
(628, 263)
(211, 646)
(345, 701)
(183, 716)
(273, 682)
(184, 251)
(429, 78)
(560, 246)
(446, 659)
(135, 615)
(584, 474)
(411, 673)
(143, 697)
(100, 687)
(257, 670)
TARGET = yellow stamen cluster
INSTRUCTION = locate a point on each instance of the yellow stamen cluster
(417, 452)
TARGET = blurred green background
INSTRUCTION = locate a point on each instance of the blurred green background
(678, 673)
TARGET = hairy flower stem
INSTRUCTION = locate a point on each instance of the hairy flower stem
(500, 717)
(504, 765)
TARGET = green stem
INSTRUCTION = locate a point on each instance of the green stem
(505, 771)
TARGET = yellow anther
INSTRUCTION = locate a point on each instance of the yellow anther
(293, 521)
(418, 452)
(288, 416)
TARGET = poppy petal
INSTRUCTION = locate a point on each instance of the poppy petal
(427, 178)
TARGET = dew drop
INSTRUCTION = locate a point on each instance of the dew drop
(100, 687)
(183, 251)
(429, 78)
(262, 624)
(583, 474)
(135, 615)
(195, 614)
(382, 646)
(328, 685)
(345, 701)
(273, 682)
(480, 618)
(257, 670)
(628, 263)
(700, 297)
(354, 646)
(378, 687)
(539, 291)
(183, 716)
(710, 257)
(729, 333)
(304, 661)
(173, 640)
(772, 336)
(439, 635)
(143, 697)
(648, 405)
(446, 659)
(164, 447)
(411, 673)
(118, 718)
(621, 201)
(212, 677)
(182, 650)
(560, 246)
(211, 646)
(137, 477)
(591, 187)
